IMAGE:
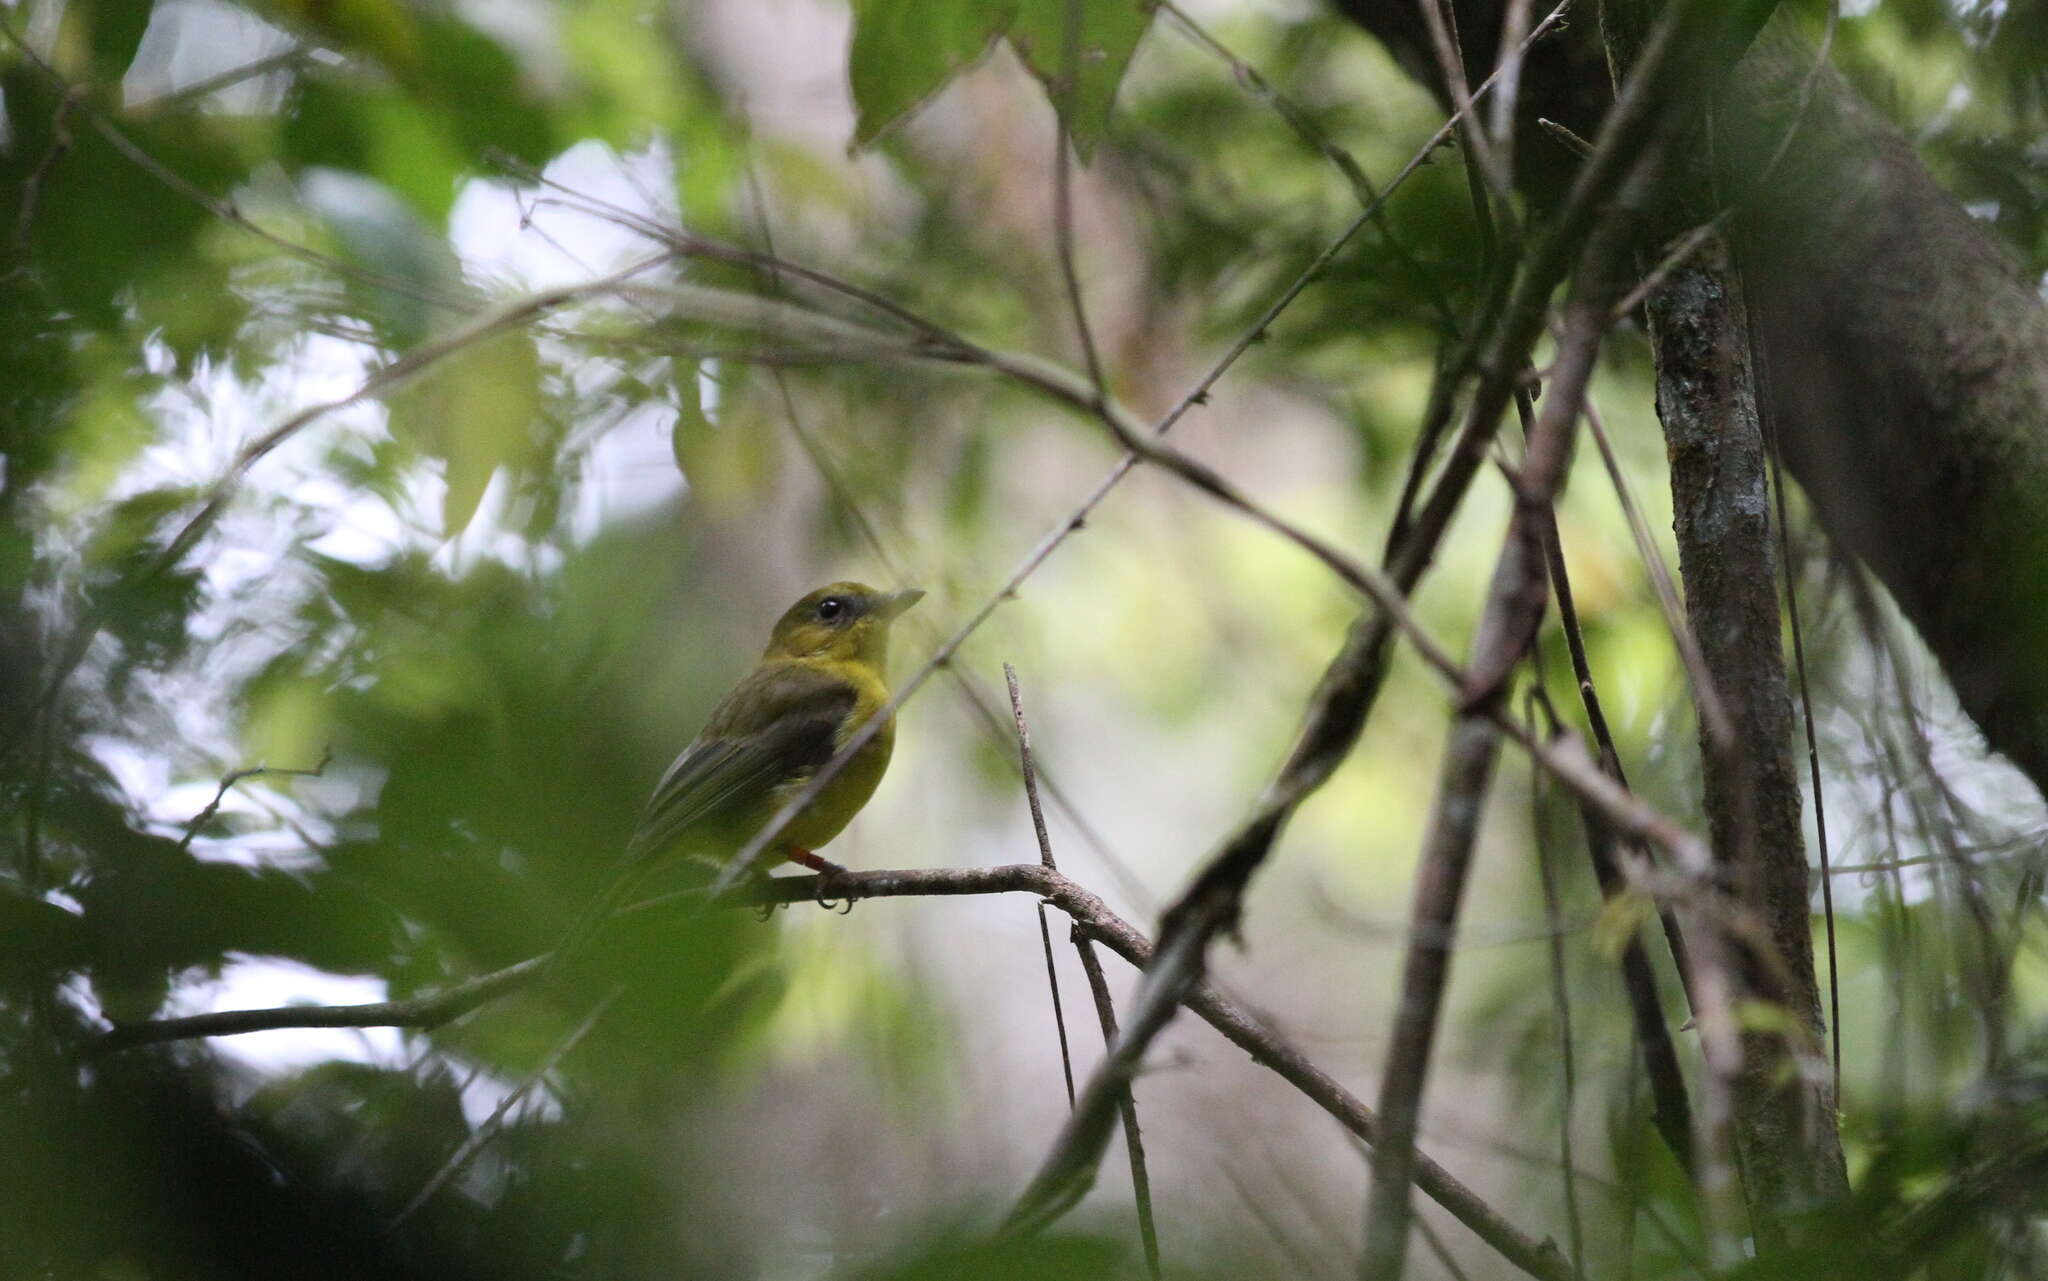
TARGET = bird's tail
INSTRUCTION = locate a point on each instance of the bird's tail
(603, 906)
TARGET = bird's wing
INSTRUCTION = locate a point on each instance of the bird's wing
(777, 726)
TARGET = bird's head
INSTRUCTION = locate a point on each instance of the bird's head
(843, 622)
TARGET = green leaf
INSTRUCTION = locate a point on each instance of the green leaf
(1108, 36)
(476, 410)
(904, 51)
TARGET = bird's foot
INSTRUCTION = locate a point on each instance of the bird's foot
(832, 892)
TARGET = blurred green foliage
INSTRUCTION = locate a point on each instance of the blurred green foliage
(496, 598)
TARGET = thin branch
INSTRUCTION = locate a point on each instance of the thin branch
(1820, 812)
(1514, 24)
(1134, 1141)
(1045, 857)
(1671, 1111)
(231, 778)
(1712, 707)
(1441, 20)
(426, 1012)
(1059, 1013)
(1440, 883)
(1560, 997)
(1098, 986)
(283, 59)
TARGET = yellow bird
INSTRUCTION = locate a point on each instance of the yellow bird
(818, 682)
(820, 679)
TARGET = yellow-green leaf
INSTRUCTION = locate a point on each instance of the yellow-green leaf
(475, 410)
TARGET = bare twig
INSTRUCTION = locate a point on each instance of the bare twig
(1564, 134)
(427, 1011)
(1045, 857)
(1820, 812)
(1446, 858)
(1098, 986)
(1560, 996)
(1134, 1141)
(233, 777)
(283, 59)
(1670, 1110)
(1514, 25)
(1441, 20)
(1713, 709)
(1059, 1013)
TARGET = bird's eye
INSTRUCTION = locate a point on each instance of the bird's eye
(830, 608)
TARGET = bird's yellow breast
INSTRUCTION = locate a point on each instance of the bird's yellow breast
(849, 789)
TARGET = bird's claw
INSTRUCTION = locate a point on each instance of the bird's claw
(826, 883)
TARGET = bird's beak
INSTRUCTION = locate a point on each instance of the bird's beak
(887, 607)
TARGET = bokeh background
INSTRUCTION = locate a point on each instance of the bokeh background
(489, 606)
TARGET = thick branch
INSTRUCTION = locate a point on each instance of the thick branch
(1705, 400)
